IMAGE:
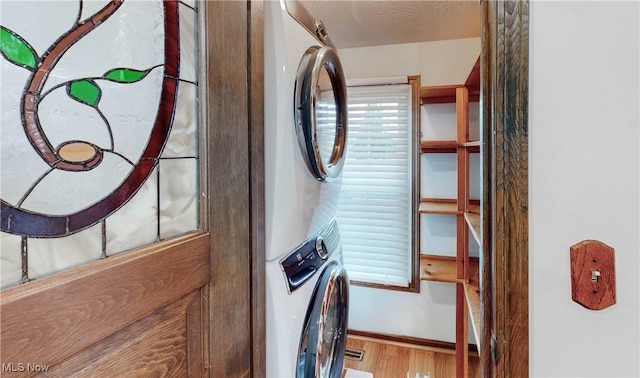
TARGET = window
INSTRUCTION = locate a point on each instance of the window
(377, 211)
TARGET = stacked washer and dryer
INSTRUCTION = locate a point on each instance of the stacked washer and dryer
(305, 140)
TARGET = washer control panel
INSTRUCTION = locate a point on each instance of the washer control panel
(301, 264)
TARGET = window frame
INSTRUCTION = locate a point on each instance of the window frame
(414, 273)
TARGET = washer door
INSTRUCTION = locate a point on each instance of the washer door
(324, 337)
(321, 112)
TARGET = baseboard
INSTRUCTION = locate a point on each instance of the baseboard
(409, 341)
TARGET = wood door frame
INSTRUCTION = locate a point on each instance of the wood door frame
(235, 67)
(505, 268)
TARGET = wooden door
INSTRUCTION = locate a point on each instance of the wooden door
(167, 309)
(137, 313)
(141, 313)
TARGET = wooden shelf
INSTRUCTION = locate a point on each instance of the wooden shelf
(448, 206)
(461, 269)
(473, 206)
(473, 220)
(472, 295)
(444, 269)
(443, 94)
(447, 146)
(438, 268)
(473, 146)
(439, 146)
(438, 206)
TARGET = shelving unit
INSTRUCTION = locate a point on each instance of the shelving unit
(461, 270)
(438, 206)
(438, 268)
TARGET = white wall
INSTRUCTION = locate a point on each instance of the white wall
(441, 62)
(584, 182)
(430, 314)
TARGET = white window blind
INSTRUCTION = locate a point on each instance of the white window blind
(374, 210)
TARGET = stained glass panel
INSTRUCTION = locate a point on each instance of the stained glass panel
(98, 138)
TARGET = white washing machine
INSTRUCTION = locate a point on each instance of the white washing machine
(305, 140)
(307, 309)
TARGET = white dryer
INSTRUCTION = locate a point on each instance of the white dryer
(305, 140)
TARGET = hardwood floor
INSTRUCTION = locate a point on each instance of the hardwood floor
(387, 359)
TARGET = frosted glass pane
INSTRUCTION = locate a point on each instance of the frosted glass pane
(136, 223)
(10, 259)
(182, 141)
(47, 256)
(178, 205)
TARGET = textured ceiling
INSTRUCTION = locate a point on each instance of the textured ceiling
(361, 23)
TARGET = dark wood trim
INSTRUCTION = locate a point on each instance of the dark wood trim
(410, 340)
(256, 127)
(485, 268)
(234, 39)
(414, 81)
(505, 67)
(94, 301)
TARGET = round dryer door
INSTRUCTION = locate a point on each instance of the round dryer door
(321, 112)
(324, 337)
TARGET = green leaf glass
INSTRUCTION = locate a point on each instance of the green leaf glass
(125, 75)
(84, 91)
(16, 50)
